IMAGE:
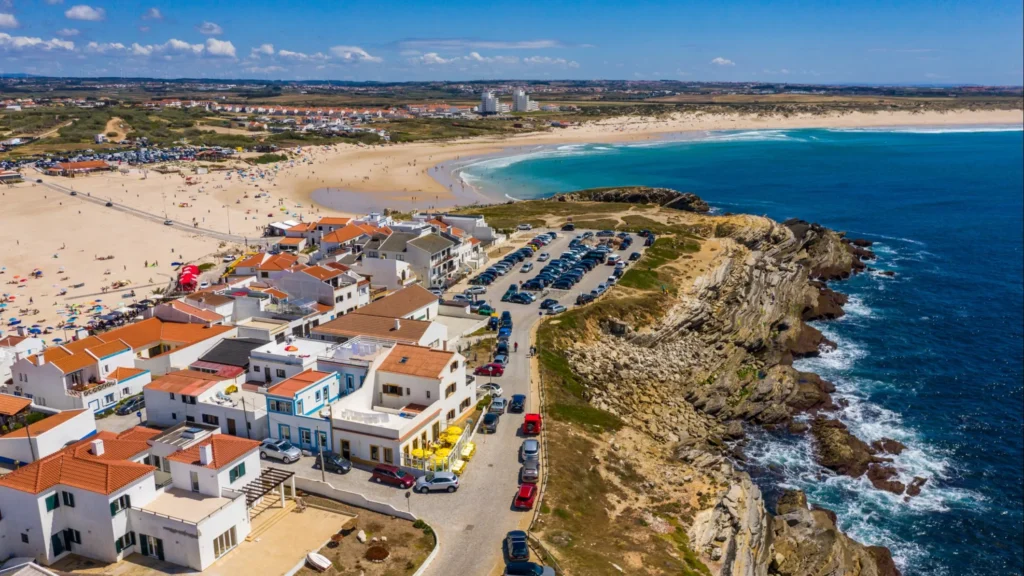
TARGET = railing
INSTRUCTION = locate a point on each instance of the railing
(83, 389)
(435, 464)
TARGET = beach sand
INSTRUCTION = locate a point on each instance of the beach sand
(351, 180)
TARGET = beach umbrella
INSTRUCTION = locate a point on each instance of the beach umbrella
(97, 300)
(58, 339)
(34, 331)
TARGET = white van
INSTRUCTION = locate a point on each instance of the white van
(613, 259)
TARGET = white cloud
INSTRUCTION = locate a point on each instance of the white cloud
(723, 62)
(88, 13)
(8, 42)
(782, 71)
(67, 32)
(431, 59)
(222, 48)
(210, 29)
(262, 50)
(548, 61)
(153, 14)
(354, 54)
(301, 56)
(54, 2)
(456, 43)
(105, 47)
(169, 48)
(265, 69)
(8, 21)
(140, 50)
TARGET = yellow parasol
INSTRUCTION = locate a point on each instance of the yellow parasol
(453, 430)
(443, 453)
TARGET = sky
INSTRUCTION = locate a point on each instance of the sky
(823, 41)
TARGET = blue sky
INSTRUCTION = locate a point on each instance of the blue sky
(939, 42)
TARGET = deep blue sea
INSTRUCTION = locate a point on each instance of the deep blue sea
(932, 357)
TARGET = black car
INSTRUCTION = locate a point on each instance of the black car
(518, 403)
(562, 285)
(490, 423)
(548, 303)
(131, 405)
(584, 299)
(516, 547)
(634, 256)
(333, 463)
(568, 227)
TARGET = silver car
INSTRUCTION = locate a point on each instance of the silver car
(498, 406)
(282, 450)
(530, 450)
(437, 482)
(530, 472)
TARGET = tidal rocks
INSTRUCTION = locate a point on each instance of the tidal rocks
(807, 341)
(666, 197)
(888, 446)
(915, 486)
(827, 306)
(883, 478)
(839, 450)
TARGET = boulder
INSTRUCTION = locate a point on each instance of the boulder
(883, 478)
(915, 486)
(888, 446)
(839, 450)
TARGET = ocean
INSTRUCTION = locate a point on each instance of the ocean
(931, 357)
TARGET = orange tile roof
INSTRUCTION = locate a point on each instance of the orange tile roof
(417, 361)
(78, 354)
(226, 449)
(44, 425)
(85, 165)
(187, 382)
(399, 303)
(474, 241)
(153, 330)
(457, 232)
(323, 308)
(321, 273)
(342, 235)
(303, 227)
(333, 221)
(108, 349)
(251, 261)
(120, 373)
(288, 388)
(279, 262)
(337, 266)
(11, 405)
(12, 340)
(197, 312)
(76, 466)
(291, 241)
(355, 324)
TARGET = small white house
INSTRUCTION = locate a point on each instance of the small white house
(297, 409)
(194, 396)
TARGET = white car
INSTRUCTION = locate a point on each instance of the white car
(524, 227)
(526, 267)
(492, 389)
(554, 309)
(204, 285)
(475, 290)
(228, 259)
(543, 257)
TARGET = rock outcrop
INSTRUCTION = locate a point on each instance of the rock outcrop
(664, 197)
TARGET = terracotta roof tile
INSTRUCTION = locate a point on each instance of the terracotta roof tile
(226, 449)
(333, 221)
(121, 373)
(187, 382)
(11, 405)
(417, 361)
(345, 234)
(288, 388)
(197, 312)
(321, 273)
(399, 303)
(355, 324)
(291, 241)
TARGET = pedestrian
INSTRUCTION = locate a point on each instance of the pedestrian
(515, 347)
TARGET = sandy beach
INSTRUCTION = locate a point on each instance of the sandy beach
(318, 181)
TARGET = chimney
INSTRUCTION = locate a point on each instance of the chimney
(206, 454)
(96, 447)
(40, 361)
(398, 324)
(22, 331)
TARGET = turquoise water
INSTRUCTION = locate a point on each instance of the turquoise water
(932, 357)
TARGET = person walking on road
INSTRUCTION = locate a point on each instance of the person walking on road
(515, 347)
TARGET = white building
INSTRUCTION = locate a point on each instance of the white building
(277, 361)
(46, 436)
(13, 347)
(194, 396)
(412, 394)
(99, 499)
(521, 102)
(489, 103)
(296, 409)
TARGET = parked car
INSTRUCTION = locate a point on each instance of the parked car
(528, 569)
(131, 405)
(437, 482)
(504, 331)
(498, 406)
(282, 450)
(473, 290)
(491, 369)
(501, 359)
(485, 310)
(529, 450)
(568, 227)
(491, 388)
(548, 303)
(506, 318)
(501, 348)
(524, 227)
(392, 476)
(518, 403)
(543, 257)
(532, 424)
(530, 472)
(584, 299)
(556, 309)
(489, 423)
(525, 497)
(522, 298)
(516, 547)
(333, 463)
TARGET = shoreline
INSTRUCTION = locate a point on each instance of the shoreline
(442, 177)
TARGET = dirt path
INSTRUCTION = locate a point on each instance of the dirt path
(117, 125)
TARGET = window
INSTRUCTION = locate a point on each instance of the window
(428, 393)
(124, 541)
(52, 503)
(174, 415)
(194, 477)
(464, 405)
(122, 503)
(455, 366)
(211, 419)
(108, 399)
(392, 390)
(389, 455)
(72, 535)
(126, 391)
(188, 399)
(24, 538)
(279, 406)
(172, 395)
(451, 415)
(255, 368)
(375, 453)
(236, 472)
(317, 395)
(190, 419)
(280, 373)
(224, 542)
(68, 498)
(449, 390)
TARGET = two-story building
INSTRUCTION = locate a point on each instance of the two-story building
(297, 408)
(194, 396)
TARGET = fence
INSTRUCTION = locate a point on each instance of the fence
(538, 546)
(434, 463)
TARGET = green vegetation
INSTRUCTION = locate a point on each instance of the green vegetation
(694, 567)
(206, 266)
(647, 273)
(269, 158)
(542, 212)
(420, 129)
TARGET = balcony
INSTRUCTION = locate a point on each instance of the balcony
(77, 390)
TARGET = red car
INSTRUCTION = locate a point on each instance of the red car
(492, 369)
(525, 498)
(531, 424)
(392, 475)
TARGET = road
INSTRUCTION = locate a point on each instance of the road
(160, 219)
(472, 522)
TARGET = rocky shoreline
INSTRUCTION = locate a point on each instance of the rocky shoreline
(718, 360)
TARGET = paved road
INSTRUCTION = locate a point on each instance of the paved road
(160, 219)
(472, 522)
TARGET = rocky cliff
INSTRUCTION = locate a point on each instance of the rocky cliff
(664, 197)
(717, 359)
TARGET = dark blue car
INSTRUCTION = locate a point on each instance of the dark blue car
(518, 403)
